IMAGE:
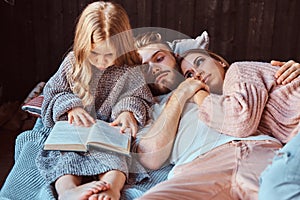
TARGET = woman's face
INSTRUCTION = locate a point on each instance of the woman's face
(205, 68)
(102, 55)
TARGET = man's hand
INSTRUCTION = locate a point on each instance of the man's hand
(287, 72)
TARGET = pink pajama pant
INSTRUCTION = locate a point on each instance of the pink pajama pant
(230, 171)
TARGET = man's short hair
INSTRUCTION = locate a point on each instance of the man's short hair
(148, 38)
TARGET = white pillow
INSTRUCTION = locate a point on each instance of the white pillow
(181, 45)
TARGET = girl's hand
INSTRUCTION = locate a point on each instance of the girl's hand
(127, 120)
(80, 117)
(287, 72)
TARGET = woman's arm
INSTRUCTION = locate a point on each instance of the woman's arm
(238, 110)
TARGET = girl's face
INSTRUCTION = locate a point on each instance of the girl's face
(205, 68)
(102, 55)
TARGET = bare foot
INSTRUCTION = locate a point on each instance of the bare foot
(106, 195)
(83, 192)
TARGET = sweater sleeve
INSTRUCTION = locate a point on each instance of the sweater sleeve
(238, 111)
(58, 96)
(135, 96)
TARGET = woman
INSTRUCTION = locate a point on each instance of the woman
(243, 98)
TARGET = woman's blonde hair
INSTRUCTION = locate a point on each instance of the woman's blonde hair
(100, 21)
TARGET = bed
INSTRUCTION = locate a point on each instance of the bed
(25, 182)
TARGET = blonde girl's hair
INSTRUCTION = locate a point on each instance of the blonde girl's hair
(100, 21)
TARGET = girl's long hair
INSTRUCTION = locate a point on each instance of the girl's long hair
(100, 21)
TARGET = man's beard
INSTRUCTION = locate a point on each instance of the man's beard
(165, 88)
(157, 90)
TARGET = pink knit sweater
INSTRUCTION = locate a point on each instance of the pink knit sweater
(253, 103)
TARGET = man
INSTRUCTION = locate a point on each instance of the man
(208, 165)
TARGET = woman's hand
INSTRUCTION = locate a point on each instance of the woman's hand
(188, 88)
(78, 116)
(287, 72)
(127, 120)
(200, 96)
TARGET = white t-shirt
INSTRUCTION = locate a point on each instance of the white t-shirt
(193, 137)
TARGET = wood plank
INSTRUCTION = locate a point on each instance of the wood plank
(267, 30)
(185, 16)
(292, 28)
(294, 54)
(254, 29)
(70, 17)
(41, 45)
(226, 25)
(8, 46)
(240, 30)
(55, 36)
(143, 14)
(200, 21)
(23, 50)
(281, 24)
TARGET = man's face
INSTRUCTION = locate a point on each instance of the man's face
(205, 68)
(163, 74)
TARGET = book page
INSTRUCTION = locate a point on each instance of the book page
(105, 135)
(65, 136)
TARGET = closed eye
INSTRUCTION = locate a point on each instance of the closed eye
(109, 54)
(94, 53)
(159, 59)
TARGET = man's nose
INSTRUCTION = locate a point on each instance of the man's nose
(154, 68)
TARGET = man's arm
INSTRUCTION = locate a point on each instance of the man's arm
(156, 145)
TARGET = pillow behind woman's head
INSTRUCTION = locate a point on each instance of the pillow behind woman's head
(181, 45)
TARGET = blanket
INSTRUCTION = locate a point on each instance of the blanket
(25, 182)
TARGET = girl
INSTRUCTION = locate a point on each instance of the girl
(95, 80)
(246, 94)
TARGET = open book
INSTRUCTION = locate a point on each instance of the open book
(102, 136)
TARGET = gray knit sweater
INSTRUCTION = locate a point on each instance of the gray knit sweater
(115, 90)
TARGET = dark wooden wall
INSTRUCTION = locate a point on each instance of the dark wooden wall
(36, 34)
